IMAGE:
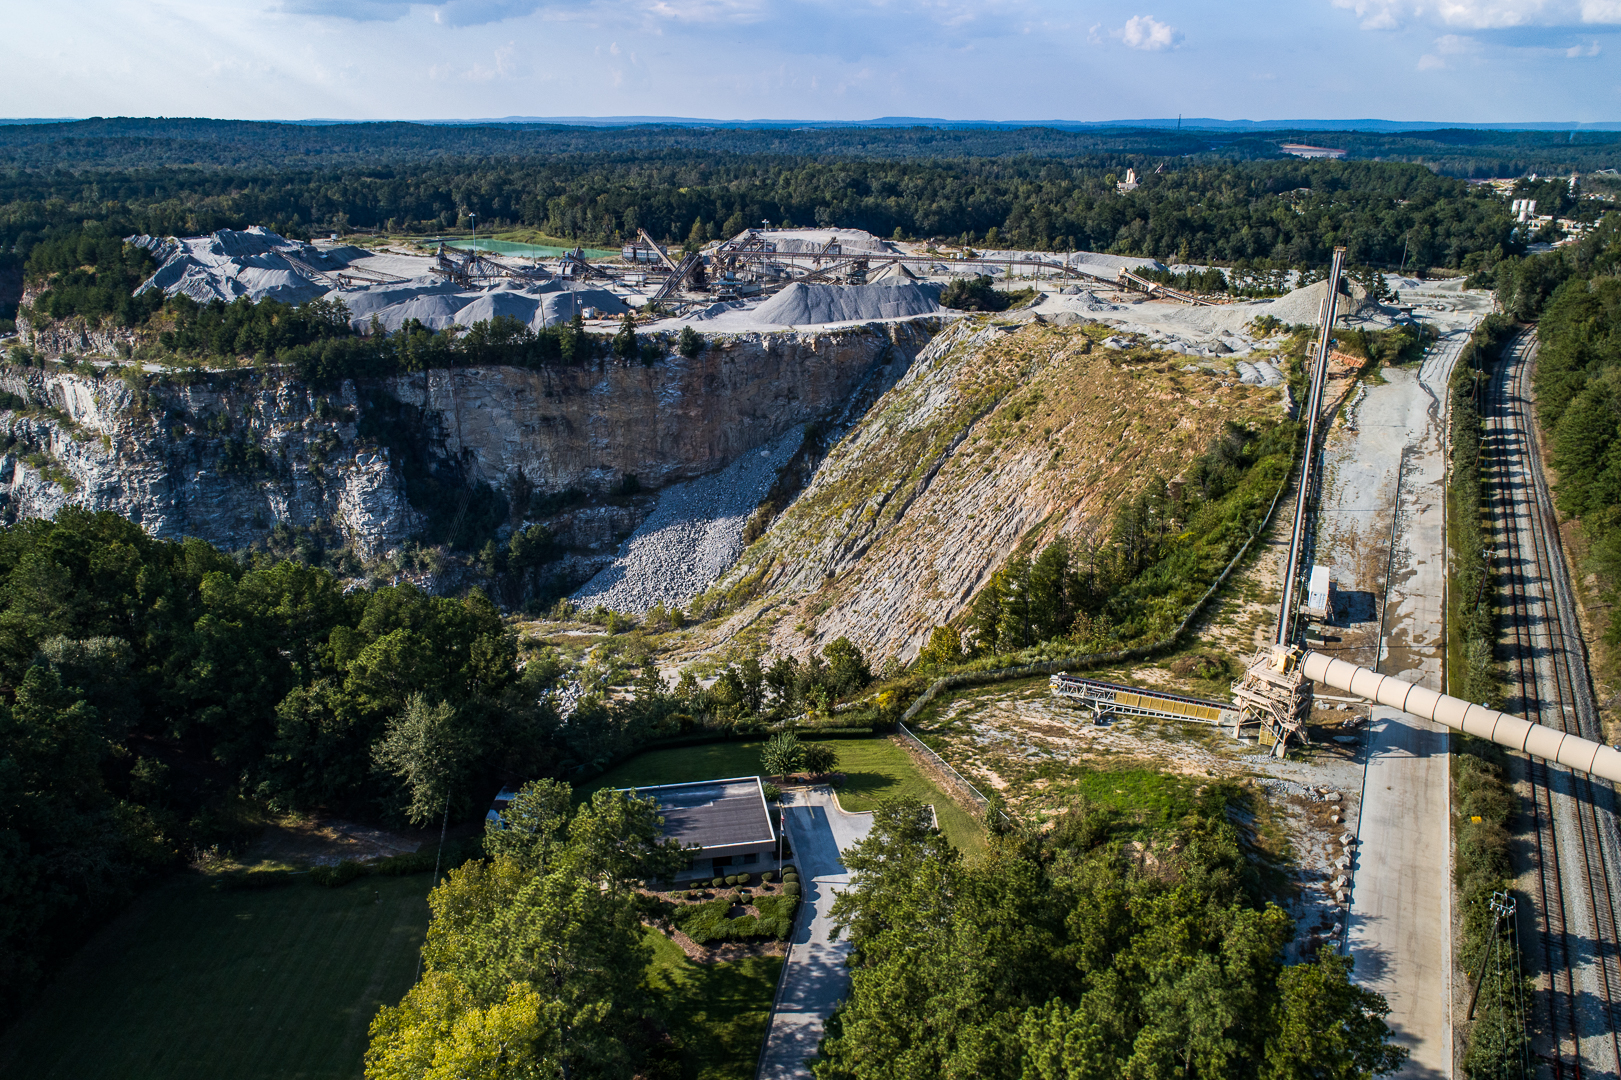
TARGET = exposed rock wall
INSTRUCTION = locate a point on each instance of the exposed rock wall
(999, 437)
(226, 456)
(587, 428)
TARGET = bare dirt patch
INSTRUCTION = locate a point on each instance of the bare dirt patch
(314, 841)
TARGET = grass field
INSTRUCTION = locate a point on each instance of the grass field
(197, 983)
(717, 1012)
(876, 769)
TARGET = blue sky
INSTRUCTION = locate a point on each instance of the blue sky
(1455, 60)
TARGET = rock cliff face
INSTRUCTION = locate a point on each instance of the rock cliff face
(1000, 437)
(226, 456)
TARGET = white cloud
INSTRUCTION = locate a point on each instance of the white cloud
(1376, 14)
(1590, 49)
(1499, 14)
(1149, 34)
(1483, 14)
(1447, 45)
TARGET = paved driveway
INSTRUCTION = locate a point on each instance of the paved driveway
(815, 978)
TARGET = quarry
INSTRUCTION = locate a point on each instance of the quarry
(826, 349)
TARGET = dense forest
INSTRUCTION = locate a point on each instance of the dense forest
(1574, 294)
(158, 699)
(128, 142)
(1287, 212)
(1059, 954)
(1064, 954)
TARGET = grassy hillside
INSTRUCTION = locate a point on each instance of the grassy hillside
(1000, 438)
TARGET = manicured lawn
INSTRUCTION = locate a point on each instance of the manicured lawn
(717, 1012)
(876, 769)
(194, 982)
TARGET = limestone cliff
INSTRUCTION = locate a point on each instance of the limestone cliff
(225, 456)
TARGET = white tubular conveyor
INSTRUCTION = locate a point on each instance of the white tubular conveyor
(1538, 740)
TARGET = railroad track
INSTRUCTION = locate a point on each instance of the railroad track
(1577, 849)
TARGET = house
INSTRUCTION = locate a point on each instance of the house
(729, 821)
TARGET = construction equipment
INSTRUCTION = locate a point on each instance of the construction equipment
(473, 268)
(690, 266)
(1274, 693)
(1157, 291)
(1306, 494)
(1105, 699)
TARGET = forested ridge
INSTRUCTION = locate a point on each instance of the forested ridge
(122, 142)
(1291, 212)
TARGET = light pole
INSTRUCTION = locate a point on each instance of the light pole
(475, 232)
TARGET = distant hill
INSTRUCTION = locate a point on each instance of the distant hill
(126, 142)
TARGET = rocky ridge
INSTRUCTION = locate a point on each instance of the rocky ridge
(225, 456)
(1000, 437)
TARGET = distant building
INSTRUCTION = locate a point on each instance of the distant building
(729, 820)
(1302, 150)
(1129, 183)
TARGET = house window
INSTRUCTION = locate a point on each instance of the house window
(751, 857)
(722, 863)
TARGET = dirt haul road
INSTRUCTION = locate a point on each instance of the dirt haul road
(1383, 533)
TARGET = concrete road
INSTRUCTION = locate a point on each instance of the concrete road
(814, 979)
(1383, 530)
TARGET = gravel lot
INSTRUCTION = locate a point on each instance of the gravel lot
(692, 536)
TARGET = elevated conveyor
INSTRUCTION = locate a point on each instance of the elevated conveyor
(1107, 698)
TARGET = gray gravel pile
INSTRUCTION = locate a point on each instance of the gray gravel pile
(803, 305)
(255, 263)
(692, 536)
(437, 303)
(1260, 373)
(1304, 307)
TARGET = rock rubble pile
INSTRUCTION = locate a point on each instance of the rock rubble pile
(692, 536)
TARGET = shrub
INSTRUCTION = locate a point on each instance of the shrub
(717, 883)
(973, 294)
(690, 344)
(766, 877)
(772, 792)
(744, 879)
(334, 877)
(258, 879)
(711, 921)
(731, 879)
(791, 888)
(417, 862)
(820, 758)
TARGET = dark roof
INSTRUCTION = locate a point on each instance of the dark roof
(714, 813)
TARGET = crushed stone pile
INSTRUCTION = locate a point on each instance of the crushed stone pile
(801, 304)
(259, 264)
(439, 303)
(1304, 307)
(797, 240)
(231, 263)
(692, 536)
(1260, 373)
